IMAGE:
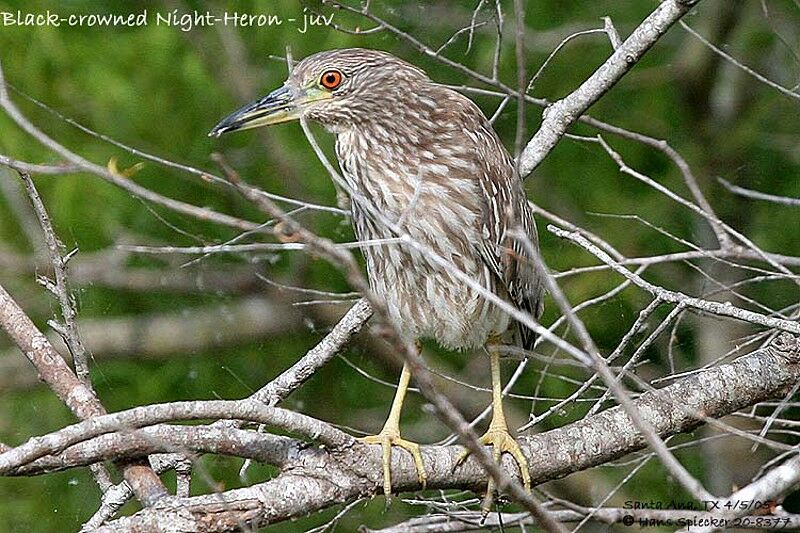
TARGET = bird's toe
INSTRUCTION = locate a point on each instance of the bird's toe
(390, 439)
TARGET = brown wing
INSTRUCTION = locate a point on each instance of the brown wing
(508, 227)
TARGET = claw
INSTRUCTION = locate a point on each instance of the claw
(390, 436)
(502, 442)
(387, 439)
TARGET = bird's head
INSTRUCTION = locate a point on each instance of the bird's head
(338, 88)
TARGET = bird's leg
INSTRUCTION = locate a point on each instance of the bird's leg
(498, 435)
(390, 436)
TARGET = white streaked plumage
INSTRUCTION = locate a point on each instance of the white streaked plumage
(421, 159)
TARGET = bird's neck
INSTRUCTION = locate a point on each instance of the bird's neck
(384, 142)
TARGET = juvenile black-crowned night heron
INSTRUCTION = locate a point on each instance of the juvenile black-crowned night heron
(421, 160)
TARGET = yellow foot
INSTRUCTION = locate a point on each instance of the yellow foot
(387, 439)
(502, 442)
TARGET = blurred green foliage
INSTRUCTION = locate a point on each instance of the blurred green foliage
(161, 89)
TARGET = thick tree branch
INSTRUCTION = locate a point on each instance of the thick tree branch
(158, 413)
(319, 478)
(262, 447)
(272, 393)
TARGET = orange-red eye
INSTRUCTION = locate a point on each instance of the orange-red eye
(331, 79)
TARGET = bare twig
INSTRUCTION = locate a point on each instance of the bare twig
(159, 335)
(611, 32)
(716, 308)
(559, 116)
(119, 180)
(333, 343)
(613, 383)
(458, 521)
(34, 168)
(75, 394)
(60, 287)
(781, 89)
(758, 195)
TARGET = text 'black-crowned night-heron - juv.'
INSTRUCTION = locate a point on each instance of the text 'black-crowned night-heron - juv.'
(421, 160)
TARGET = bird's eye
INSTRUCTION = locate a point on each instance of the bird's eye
(331, 79)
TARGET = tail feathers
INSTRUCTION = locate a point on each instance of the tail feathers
(534, 306)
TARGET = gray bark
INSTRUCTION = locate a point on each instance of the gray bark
(317, 478)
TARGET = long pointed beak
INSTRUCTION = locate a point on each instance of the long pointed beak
(278, 106)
